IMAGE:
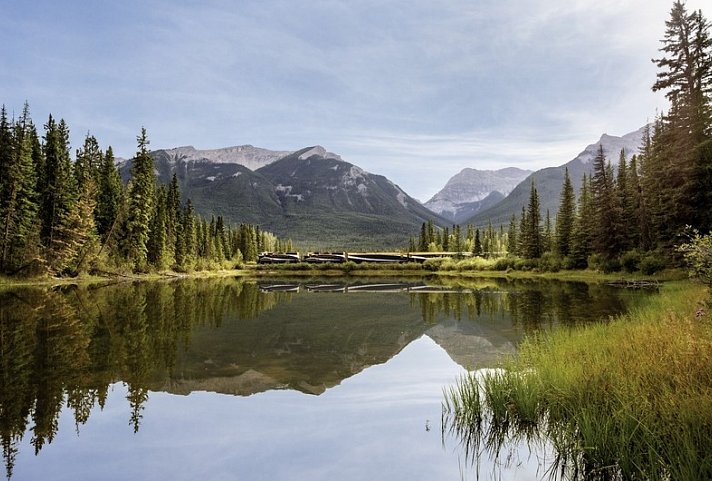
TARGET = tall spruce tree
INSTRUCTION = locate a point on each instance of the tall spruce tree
(141, 203)
(512, 236)
(110, 197)
(532, 239)
(58, 198)
(565, 217)
(582, 232)
(685, 74)
(18, 197)
(606, 239)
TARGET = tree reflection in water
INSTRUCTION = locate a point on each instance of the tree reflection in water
(68, 345)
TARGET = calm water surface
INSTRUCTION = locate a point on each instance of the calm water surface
(227, 379)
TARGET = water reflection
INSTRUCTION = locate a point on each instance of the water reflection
(68, 346)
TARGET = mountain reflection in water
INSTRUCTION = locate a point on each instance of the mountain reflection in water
(66, 348)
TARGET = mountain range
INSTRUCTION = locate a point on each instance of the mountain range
(549, 181)
(472, 191)
(320, 201)
(311, 196)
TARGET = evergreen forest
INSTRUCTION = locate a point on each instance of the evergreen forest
(60, 216)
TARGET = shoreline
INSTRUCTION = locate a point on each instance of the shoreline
(260, 272)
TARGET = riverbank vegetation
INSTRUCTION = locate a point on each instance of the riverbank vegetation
(626, 399)
(631, 397)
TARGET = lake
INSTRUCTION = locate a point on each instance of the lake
(325, 379)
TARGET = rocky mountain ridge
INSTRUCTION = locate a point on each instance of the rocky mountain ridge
(472, 190)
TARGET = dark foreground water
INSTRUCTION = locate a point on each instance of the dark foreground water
(226, 379)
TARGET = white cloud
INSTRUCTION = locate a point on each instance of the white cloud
(413, 89)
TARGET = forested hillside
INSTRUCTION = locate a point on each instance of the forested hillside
(60, 216)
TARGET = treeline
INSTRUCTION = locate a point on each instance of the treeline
(488, 242)
(632, 215)
(64, 216)
(65, 348)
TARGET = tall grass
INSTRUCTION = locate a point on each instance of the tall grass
(630, 398)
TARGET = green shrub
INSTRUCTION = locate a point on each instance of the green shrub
(698, 255)
(601, 263)
(504, 263)
(549, 262)
(526, 264)
(651, 264)
(433, 264)
(630, 261)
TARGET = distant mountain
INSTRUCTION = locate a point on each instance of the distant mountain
(550, 180)
(311, 196)
(327, 199)
(472, 191)
(251, 157)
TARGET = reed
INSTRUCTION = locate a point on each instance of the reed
(630, 398)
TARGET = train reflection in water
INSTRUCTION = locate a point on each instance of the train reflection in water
(353, 288)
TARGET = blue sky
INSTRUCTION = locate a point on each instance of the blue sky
(412, 89)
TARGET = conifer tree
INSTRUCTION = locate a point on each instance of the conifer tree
(582, 231)
(606, 239)
(512, 236)
(532, 241)
(18, 198)
(58, 198)
(110, 197)
(156, 248)
(685, 74)
(548, 234)
(83, 226)
(477, 249)
(141, 203)
(565, 217)
(625, 214)
(523, 233)
(172, 217)
(423, 239)
(456, 239)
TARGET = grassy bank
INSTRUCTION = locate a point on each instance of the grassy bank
(626, 399)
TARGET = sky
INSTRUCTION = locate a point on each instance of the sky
(415, 90)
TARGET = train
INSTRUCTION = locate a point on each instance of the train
(355, 257)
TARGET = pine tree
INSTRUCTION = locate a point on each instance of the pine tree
(532, 241)
(457, 239)
(548, 234)
(477, 249)
(172, 218)
(58, 198)
(110, 197)
(423, 239)
(625, 212)
(685, 74)
(565, 217)
(156, 245)
(512, 236)
(188, 236)
(83, 226)
(606, 238)
(18, 198)
(637, 218)
(523, 233)
(582, 231)
(141, 202)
